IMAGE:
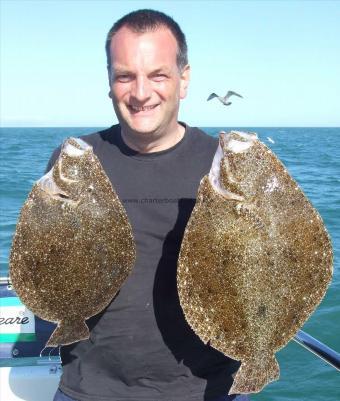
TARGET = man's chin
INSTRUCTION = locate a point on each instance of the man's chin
(142, 130)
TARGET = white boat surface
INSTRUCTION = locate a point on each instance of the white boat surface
(25, 375)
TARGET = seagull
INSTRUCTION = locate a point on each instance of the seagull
(224, 99)
(270, 139)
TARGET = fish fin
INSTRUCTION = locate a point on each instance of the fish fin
(68, 333)
(253, 375)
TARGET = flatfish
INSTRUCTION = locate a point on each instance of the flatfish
(255, 260)
(73, 246)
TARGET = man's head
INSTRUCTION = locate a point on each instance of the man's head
(148, 73)
(142, 21)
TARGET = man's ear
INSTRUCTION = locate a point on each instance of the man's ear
(185, 79)
(109, 75)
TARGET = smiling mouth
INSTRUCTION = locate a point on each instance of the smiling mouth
(137, 109)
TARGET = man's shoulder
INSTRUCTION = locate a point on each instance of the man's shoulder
(96, 140)
(201, 133)
(202, 138)
(99, 137)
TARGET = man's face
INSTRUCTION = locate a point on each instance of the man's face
(146, 83)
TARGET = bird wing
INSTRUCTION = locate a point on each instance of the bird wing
(212, 96)
(231, 93)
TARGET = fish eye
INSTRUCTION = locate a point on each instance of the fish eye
(63, 196)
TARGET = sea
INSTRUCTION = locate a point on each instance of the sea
(311, 155)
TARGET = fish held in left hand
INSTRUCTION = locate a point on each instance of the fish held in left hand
(73, 247)
(255, 261)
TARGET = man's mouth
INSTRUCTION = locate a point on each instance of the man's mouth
(137, 109)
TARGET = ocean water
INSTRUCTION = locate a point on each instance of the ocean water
(311, 155)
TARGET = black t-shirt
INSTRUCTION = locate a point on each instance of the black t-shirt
(140, 346)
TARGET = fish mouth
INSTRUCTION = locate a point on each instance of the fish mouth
(47, 184)
(73, 147)
(237, 141)
(214, 177)
(232, 142)
(61, 196)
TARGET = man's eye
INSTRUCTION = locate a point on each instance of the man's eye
(159, 77)
(122, 78)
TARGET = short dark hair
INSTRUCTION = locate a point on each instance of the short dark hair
(146, 20)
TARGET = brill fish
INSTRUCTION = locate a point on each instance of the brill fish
(255, 260)
(73, 247)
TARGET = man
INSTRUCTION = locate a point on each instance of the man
(140, 346)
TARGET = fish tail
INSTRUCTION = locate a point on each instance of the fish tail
(68, 333)
(253, 375)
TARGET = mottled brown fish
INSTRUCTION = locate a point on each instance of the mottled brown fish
(73, 246)
(255, 260)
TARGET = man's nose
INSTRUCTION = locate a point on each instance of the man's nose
(141, 89)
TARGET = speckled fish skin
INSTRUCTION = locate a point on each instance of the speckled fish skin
(255, 260)
(73, 246)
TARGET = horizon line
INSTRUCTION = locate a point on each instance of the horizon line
(199, 126)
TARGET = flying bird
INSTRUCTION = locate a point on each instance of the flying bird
(224, 99)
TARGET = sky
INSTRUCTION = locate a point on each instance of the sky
(283, 57)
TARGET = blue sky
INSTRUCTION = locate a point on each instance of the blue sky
(282, 56)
